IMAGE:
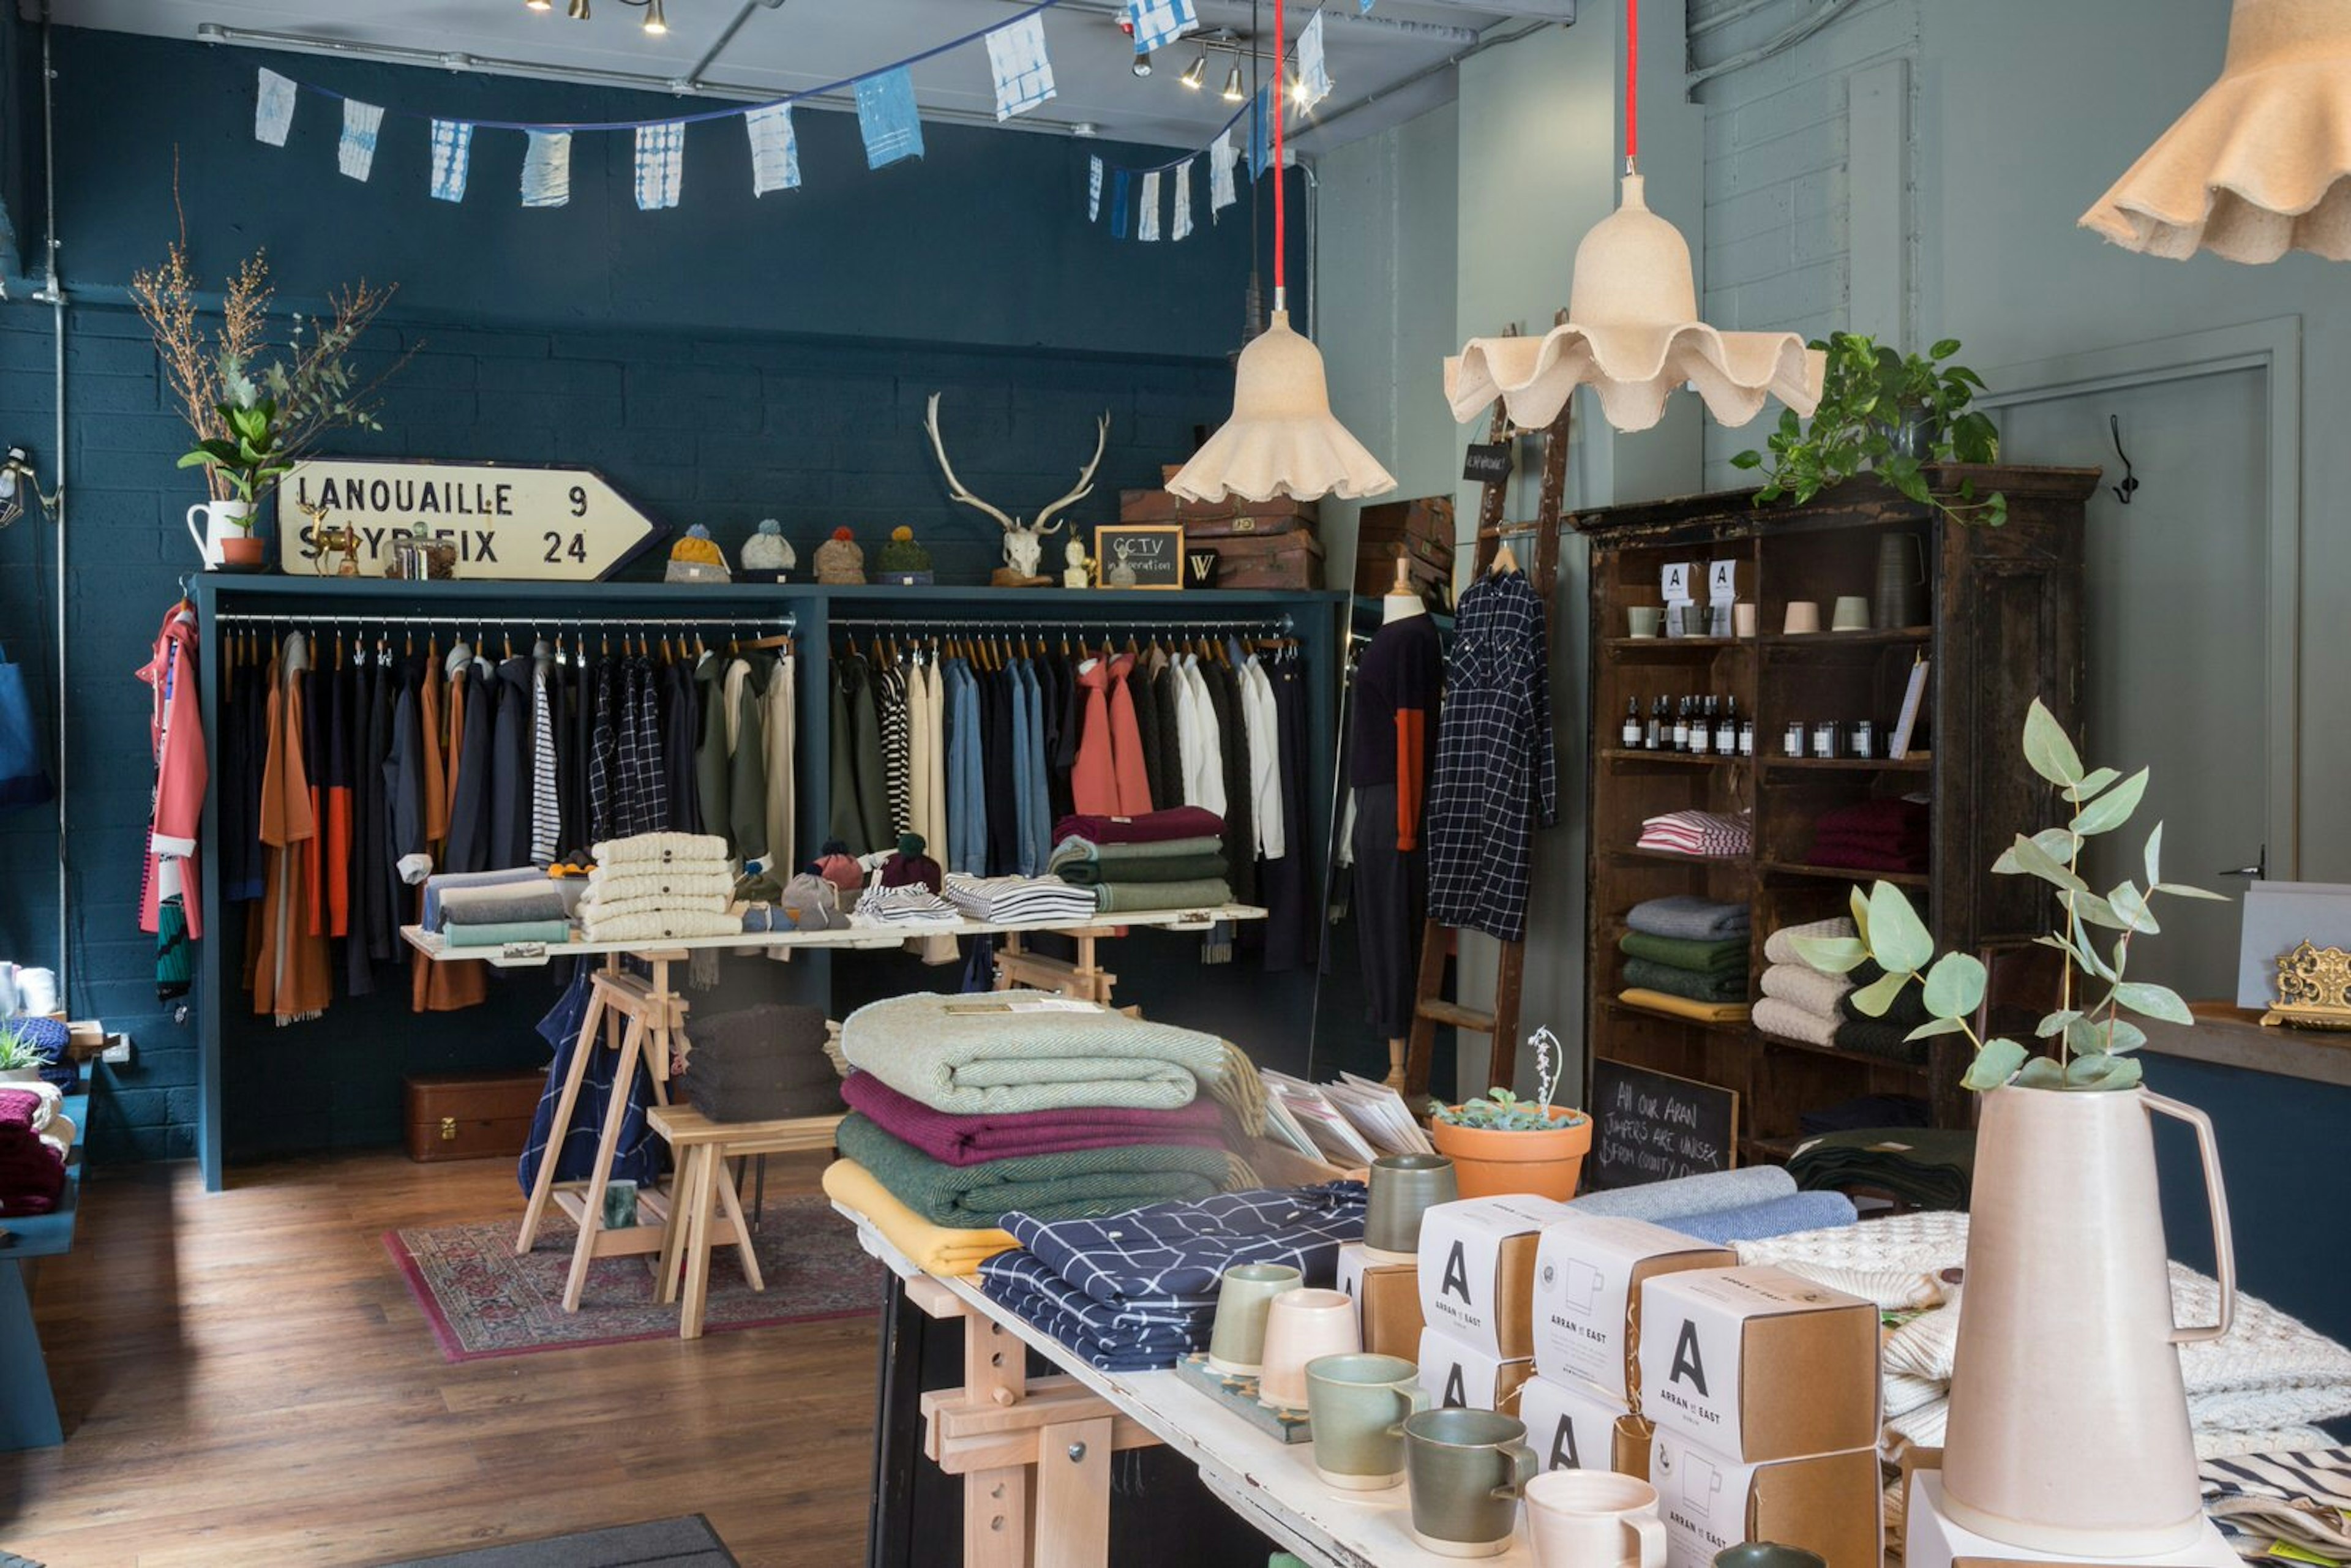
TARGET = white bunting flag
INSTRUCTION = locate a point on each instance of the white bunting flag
(355, 155)
(1221, 155)
(661, 163)
(1093, 190)
(1158, 23)
(547, 169)
(1024, 76)
(1182, 199)
(453, 150)
(775, 151)
(273, 107)
(1149, 228)
(1313, 70)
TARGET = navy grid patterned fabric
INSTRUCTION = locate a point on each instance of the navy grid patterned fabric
(1171, 1257)
(1496, 775)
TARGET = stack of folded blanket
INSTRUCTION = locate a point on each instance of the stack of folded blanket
(1928, 1167)
(1877, 835)
(32, 1168)
(1686, 955)
(1160, 859)
(663, 886)
(1711, 835)
(968, 1108)
(492, 908)
(1723, 1207)
(1800, 1002)
(1016, 899)
(1140, 1291)
(1887, 1038)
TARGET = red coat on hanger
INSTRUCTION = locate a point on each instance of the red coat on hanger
(177, 731)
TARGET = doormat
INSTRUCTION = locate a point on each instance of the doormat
(483, 1300)
(683, 1542)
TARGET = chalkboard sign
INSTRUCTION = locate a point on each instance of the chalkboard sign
(1139, 555)
(1652, 1126)
(1487, 464)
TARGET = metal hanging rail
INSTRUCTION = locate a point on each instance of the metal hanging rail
(1284, 624)
(328, 618)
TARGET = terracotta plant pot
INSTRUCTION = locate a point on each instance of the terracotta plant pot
(1489, 1162)
(242, 551)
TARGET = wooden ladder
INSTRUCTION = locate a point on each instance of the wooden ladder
(1430, 1009)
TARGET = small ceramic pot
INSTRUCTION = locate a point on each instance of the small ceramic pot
(1244, 1296)
(1488, 1163)
(1403, 1188)
(1303, 1326)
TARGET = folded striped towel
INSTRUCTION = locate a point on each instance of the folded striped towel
(1713, 834)
(1014, 898)
(652, 850)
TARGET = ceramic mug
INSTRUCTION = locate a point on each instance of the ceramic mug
(1236, 1343)
(1302, 1327)
(1596, 1518)
(1405, 1188)
(1803, 615)
(1768, 1554)
(1645, 620)
(1742, 619)
(1358, 1405)
(1466, 1470)
(1852, 613)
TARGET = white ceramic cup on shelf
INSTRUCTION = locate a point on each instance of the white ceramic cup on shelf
(1302, 1327)
(1643, 620)
(1742, 619)
(35, 990)
(1594, 1519)
(1803, 616)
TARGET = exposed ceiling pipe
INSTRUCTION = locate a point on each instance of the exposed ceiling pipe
(726, 37)
(1786, 39)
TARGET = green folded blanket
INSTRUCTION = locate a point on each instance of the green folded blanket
(1155, 868)
(1164, 849)
(1001, 1051)
(1072, 1186)
(1931, 1166)
(1647, 973)
(552, 932)
(1728, 956)
(1138, 897)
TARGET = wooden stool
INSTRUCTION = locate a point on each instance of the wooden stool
(704, 1186)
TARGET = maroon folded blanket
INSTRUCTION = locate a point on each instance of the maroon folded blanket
(1150, 828)
(976, 1140)
(1844, 857)
(1889, 815)
(1883, 843)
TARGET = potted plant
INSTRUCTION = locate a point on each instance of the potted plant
(253, 415)
(20, 1059)
(2063, 1442)
(1501, 1143)
(1894, 415)
(903, 562)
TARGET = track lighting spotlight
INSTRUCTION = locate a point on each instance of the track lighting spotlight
(538, 4)
(1234, 93)
(578, 10)
(655, 23)
(1142, 64)
(1197, 72)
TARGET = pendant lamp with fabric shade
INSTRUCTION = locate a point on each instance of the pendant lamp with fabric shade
(1282, 439)
(1633, 332)
(2261, 164)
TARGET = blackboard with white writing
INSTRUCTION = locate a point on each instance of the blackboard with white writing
(1653, 1126)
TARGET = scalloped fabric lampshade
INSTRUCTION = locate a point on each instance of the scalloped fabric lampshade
(1282, 439)
(1633, 336)
(2261, 164)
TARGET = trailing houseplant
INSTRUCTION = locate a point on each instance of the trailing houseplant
(1887, 412)
(1501, 1143)
(2070, 1443)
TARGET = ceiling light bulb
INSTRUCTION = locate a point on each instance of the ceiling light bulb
(1234, 93)
(538, 4)
(1142, 64)
(1195, 73)
(655, 23)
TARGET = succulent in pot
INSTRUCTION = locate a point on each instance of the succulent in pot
(1501, 1143)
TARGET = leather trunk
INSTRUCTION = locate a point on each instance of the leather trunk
(470, 1115)
(1264, 560)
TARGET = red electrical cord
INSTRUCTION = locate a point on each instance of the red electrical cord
(1281, 215)
(1632, 80)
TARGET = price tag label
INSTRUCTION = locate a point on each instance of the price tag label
(1677, 582)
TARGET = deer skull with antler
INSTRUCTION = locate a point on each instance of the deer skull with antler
(1023, 541)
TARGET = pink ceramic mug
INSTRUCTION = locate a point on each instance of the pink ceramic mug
(1594, 1519)
(1301, 1326)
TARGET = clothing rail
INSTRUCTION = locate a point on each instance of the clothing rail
(328, 618)
(1284, 624)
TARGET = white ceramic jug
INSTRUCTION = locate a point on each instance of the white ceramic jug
(2069, 1425)
(223, 519)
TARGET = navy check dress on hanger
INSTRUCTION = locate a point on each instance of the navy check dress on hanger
(1497, 775)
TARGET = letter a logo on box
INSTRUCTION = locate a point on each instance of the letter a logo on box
(1455, 1398)
(1563, 1456)
(1457, 1277)
(1687, 1363)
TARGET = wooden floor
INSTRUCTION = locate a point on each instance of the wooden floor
(246, 1379)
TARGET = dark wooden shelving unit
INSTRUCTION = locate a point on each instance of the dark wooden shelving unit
(2007, 628)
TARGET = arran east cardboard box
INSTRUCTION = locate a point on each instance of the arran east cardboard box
(1757, 1364)
(1572, 1428)
(1465, 1376)
(1387, 1301)
(1478, 1270)
(1588, 1274)
(1826, 1503)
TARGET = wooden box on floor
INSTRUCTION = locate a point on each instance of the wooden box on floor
(470, 1115)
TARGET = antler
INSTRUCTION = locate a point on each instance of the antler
(1085, 478)
(955, 486)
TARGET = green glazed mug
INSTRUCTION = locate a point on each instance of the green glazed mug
(1466, 1470)
(1358, 1404)
(1405, 1188)
(1244, 1299)
(1768, 1554)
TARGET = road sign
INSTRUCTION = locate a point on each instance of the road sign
(510, 521)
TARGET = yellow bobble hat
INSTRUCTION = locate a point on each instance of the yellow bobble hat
(698, 547)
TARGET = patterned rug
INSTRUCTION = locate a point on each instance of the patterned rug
(683, 1542)
(483, 1300)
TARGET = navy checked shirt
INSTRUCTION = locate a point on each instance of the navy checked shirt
(1497, 770)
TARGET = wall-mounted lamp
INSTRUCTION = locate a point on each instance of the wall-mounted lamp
(16, 481)
(1142, 64)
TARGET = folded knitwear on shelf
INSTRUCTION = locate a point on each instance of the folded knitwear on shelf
(1014, 899)
(1866, 1111)
(554, 933)
(1683, 1007)
(1880, 1041)
(1688, 918)
(1774, 1217)
(1785, 1020)
(1802, 986)
(1032, 1051)
(974, 1140)
(789, 1037)
(1143, 828)
(1713, 835)
(32, 1169)
(1884, 834)
(1839, 856)
(1073, 1184)
(1646, 973)
(1116, 867)
(1726, 956)
(909, 904)
(502, 903)
(614, 908)
(1099, 1334)
(1780, 947)
(1663, 1202)
(438, 886)
(950, 1252)
(677, 925)
(1144, 897)
(606, 887)
(1932, 1167)
(652, 852)
(1908, 1008)
(1078, 847)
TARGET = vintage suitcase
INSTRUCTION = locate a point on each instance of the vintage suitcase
(470, 1115)
(1263, 561)
(1159, 507)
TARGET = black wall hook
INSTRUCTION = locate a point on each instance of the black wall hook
(2124, 491)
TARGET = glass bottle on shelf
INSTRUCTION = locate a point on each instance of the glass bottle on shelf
(1682, 724)
(1725, 729)
(1631, 731)
(1655, 741)
(1747, 738)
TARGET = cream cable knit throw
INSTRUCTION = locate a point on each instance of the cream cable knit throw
(652, 850)
(674, 926)
(1780, 949)
(2269, 1374)
(597, 911)
(1789, 1021)
(611, 886)
(1802, 986)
